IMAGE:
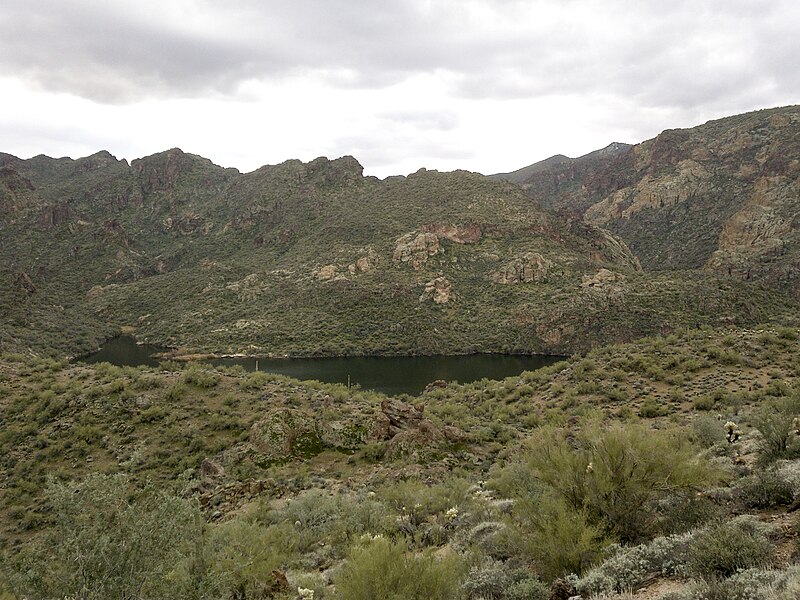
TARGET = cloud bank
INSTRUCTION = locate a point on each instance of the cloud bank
(414, 67)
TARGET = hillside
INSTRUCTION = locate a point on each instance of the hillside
(316, 259)
(723, 197)
(293, 484)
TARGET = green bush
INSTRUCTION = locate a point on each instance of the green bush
(617, 473)
(708, 431)
(776, 424)
(558, 538)
(109, 540)
(650, 409)
(241, 555)
(495, 580)
(727, 547)
(383, 569)
(200, 377)
(764, 489)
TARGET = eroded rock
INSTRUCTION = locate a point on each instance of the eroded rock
(439, 290)
(530, 267)
(416, 248)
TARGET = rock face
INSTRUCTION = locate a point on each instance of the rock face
(530, 267)
(24, 283)
(326, 273)
(285, 433)
(723, 196)
(604, 284)
(416, 248)
(405, 429)
(54, 215)
(460, 234)
(438, 290)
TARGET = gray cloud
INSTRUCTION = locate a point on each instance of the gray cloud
(673, 54)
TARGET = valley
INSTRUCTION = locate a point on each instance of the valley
(578, 379)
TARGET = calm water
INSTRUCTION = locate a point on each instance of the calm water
(390, 375)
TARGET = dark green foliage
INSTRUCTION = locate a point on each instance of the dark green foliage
(109, 540)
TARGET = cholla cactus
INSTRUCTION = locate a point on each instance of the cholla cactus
(796, 425)
(733, 431)
(451, 514)
(305, 594)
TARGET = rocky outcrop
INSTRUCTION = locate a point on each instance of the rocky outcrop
(54, 215)
(723, 196)
(460, 234)
(439, 290)
(604, 284)
(286, 433)
(761, 234)
(326, 273)
(688, 179)
(416, 248)
(188, 224)
(365, 264)
(406, 431)
(530, 267)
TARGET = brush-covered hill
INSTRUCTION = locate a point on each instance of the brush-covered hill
(723, 196)
(663, 468)
(315, 258)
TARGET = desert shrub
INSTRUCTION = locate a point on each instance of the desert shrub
(627, 568)
(109, 540)
(752, 584)
(680, 513)
(336, 520)
(558, 538)
(241, 555)
(703, 403)
(617, 473)
(650, 409)
(200, 377)
(175, 392)
(727, 547)
(254, 380)
(495, 580)
(383, 569)
(420, 501)
(764, 489)
(778, 428)
(708, 431)
(528, 589)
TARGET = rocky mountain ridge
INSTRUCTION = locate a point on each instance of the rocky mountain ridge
(317, 259)
(723, 197)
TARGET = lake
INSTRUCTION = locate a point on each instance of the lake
(390, 375)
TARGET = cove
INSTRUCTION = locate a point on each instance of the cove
(391, 375)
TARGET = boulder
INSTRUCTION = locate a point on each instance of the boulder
(326, 273)
(530, 267)
(439, 290)
(415, 248)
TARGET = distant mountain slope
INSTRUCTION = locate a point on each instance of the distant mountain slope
(559, 172)
(724, 196)
(316, 259)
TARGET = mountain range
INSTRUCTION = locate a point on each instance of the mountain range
(694, 227)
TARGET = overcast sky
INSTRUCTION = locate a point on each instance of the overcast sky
(484, 85)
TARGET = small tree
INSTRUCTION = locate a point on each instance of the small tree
(108, 540)
(616, 474)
